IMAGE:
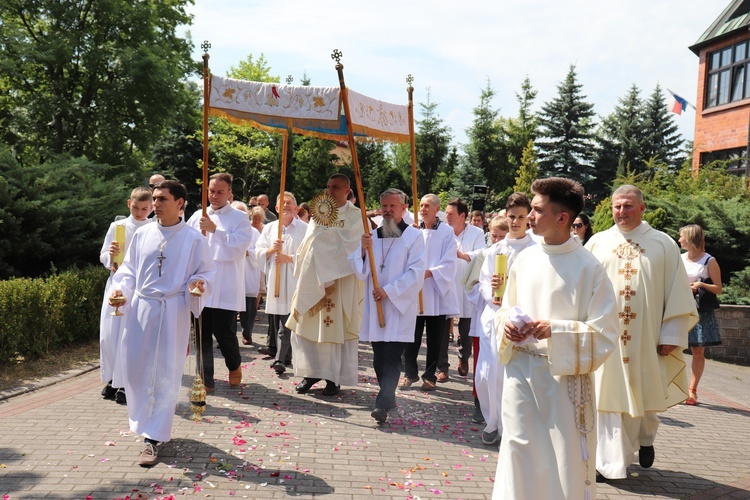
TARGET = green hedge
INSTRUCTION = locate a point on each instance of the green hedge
(42, 315)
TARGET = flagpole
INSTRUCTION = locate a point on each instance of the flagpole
(414, 194)
(336, 55)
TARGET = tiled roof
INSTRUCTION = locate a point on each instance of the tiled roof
(735, 17)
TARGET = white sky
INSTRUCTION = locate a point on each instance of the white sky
(453, 46)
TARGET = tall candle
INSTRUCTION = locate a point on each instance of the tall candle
(120, 239)
(501, 267)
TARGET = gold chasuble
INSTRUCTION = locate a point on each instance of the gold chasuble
(655, 307)
(326, 303)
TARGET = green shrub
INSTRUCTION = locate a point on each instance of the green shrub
(45, 314)
(738, 289)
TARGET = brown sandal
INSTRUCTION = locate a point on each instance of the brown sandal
(693, 399)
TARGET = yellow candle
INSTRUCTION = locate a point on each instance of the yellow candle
(501, 267)
(120, 239)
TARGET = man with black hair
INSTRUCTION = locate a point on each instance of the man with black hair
(163, 264)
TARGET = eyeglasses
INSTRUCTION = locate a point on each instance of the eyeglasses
(578, 225)
(152, 186)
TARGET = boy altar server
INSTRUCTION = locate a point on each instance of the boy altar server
(110, 330)
(549, 436)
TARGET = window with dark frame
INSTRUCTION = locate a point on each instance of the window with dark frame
(736, 160)
(728, 80)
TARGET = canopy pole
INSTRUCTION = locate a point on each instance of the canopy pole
(414, 194)
(206, 104)
(336, 55)
(282, 197)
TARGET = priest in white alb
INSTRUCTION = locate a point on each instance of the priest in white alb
(556, 325)
(164, 263)
(326, 305)
(398, 251)
(646, 374)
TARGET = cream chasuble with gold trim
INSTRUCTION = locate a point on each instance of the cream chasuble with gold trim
(655, 307)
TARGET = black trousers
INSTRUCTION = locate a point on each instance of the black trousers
(436, 327)
(283, 338)
(217, 323)
(464, 341)
(247, 318)
(386, 360)
(273, 328)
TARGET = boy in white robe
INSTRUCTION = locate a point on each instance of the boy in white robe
(399, 254)
(166, 263)
(110, 330)
(489, 372)
(498, 228)
(549, 439)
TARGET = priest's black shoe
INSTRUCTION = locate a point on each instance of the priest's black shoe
(109, 392)
(331, 389)
(646, 456)
(380, 415)
(267, 351)
(306, 385)
(279, 368)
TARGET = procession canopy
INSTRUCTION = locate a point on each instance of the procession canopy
(307, 110)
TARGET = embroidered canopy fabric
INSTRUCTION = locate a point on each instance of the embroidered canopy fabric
(306, 110)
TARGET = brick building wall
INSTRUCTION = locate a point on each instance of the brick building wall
(720, 127)
(734, 322)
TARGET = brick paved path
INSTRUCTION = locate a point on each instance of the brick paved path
(263, 440)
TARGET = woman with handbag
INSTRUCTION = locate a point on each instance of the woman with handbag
(704, 275)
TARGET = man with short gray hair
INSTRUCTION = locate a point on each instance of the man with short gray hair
(439, 298)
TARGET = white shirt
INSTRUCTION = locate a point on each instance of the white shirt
(227, 246)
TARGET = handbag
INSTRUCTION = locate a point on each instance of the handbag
(705, 300)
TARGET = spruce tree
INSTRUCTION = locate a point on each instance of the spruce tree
(433, 140)
(528, 171)
(520, 130)
(661, 137)
(567, 133)
(486, 158)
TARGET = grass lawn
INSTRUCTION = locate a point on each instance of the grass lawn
(23, 371)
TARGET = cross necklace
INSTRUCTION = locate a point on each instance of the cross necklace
(385, 253)
(161, 258)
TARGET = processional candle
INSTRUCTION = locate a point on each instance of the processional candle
(501, 268)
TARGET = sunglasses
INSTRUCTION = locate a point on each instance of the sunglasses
(578, 225)
(152, 186)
